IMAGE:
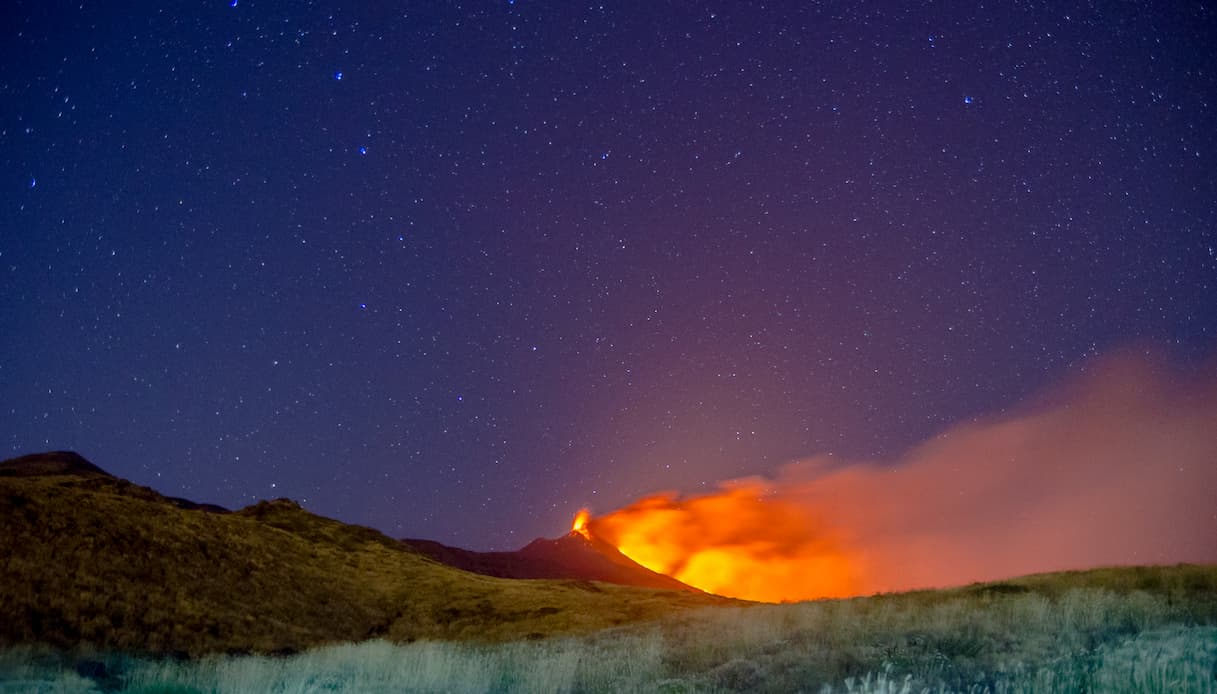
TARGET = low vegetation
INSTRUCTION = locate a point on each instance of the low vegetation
(1143, 629)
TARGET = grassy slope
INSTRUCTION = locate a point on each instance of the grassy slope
(97, 560)
(1119, 631)
(1058, 632)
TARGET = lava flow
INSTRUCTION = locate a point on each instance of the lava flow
(735, 542)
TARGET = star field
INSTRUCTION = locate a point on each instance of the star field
(454, 270)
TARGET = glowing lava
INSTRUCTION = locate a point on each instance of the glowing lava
(579, 525)
(735, 542)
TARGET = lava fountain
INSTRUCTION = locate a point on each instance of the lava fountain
(579, 524)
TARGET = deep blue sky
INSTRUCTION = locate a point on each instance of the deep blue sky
(455, 270)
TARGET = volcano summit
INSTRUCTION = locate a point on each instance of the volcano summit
(576, 555)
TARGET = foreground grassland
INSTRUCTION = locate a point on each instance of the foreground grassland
(1144, 629)
(87, 559)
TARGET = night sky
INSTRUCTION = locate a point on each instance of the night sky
(455, 270)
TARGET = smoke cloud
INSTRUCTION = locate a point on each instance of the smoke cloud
(1117, 467)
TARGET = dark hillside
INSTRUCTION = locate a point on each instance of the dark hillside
(572, 556)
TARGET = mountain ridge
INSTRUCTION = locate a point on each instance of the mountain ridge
(90, 559)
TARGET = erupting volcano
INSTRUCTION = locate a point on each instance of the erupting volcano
(576, 555)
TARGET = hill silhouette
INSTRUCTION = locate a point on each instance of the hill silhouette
(51, 463)
(92, 559)
(573, 556)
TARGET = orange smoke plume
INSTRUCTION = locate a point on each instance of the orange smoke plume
(741, 542)
(1118, 468)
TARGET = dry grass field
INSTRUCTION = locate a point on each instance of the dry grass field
(1142, 629)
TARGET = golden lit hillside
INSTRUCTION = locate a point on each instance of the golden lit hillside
(92, 559)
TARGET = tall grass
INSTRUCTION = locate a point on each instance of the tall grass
(1074, 640)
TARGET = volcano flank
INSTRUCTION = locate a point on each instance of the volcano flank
(572, 556)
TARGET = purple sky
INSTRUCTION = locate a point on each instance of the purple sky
(454, 270)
